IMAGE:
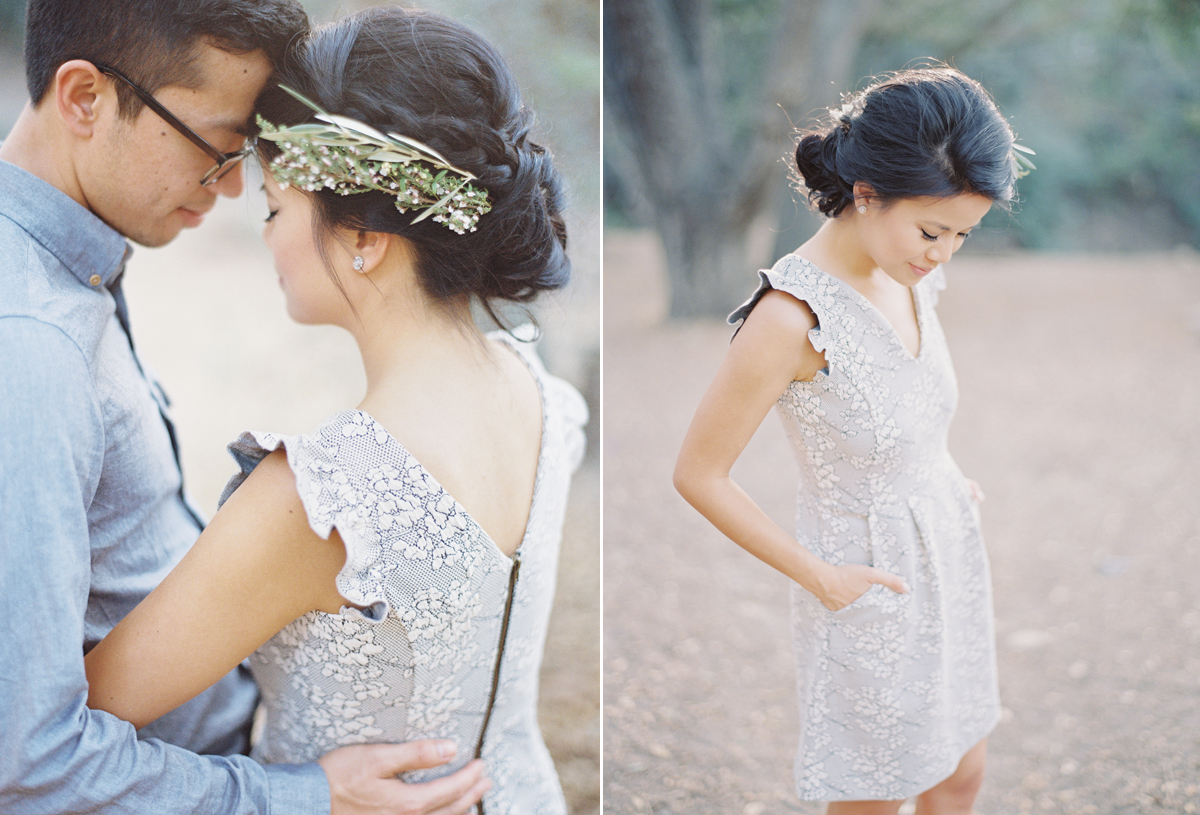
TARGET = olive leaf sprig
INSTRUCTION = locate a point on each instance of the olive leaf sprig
(1021, 155)
(349, 157)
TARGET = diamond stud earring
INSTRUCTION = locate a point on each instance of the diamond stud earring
(862, 208)
(358, 263)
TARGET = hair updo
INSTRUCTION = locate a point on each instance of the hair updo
(920, 132)
(434, 80)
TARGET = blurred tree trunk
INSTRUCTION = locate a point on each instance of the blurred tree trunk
(671, 137)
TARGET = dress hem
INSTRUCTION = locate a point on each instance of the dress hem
(918, 789)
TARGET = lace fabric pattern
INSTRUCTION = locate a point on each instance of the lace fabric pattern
(894, 688)
(413, 658)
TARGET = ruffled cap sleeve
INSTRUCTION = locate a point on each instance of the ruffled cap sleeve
(330, 499)
(739, 314)
(804, 281)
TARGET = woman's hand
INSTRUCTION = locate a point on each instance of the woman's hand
(842, 585)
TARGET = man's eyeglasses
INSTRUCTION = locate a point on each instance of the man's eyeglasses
(224, 161)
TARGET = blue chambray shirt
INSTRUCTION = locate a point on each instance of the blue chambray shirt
(92, 517)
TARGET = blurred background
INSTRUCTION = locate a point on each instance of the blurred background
(1075, 329)
(702, 96)
(208, 317)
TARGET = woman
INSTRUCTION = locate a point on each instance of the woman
(891, 597)
(391, 574)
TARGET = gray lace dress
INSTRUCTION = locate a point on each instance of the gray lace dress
(425, 657)
(894, 688)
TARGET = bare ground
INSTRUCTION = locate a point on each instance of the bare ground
(1080, 392)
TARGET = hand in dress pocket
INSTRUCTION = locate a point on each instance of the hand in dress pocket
(844, 584)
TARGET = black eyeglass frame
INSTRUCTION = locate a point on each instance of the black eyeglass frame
(224, 161)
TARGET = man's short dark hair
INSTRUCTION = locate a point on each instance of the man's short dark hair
(153, 42)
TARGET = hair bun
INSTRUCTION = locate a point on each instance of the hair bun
(817, 166)
(524, 236)
(518, 249)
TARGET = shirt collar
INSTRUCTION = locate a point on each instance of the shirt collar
(92, 250)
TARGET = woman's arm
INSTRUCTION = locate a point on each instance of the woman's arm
(257, 567)
(770, 351)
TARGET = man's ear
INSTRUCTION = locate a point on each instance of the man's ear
(82, 94)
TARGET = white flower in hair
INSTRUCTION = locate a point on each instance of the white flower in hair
(349, 157)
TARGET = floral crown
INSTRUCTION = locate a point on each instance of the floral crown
(349, 157)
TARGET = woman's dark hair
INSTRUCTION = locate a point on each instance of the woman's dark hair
(927, 131)
(429, 78)
(153, 42)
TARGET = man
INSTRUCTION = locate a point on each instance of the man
(138, 117)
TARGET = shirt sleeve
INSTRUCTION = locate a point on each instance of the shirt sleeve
(58, 755)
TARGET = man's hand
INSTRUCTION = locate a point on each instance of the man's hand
(362, 780)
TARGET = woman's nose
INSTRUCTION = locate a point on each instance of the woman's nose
(940, 252)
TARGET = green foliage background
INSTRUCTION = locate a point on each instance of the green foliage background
(1105, 91)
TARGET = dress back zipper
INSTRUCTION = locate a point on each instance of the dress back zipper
(508, 604)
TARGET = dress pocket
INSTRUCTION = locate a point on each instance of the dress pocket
(879, 603)
(852, 538)
(866, 608)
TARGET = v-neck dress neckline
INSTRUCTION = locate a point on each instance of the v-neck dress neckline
(432, 479)
(915, 292)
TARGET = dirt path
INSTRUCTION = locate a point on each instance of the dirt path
(1080, 383)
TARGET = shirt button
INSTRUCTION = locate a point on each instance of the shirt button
(95, 280)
